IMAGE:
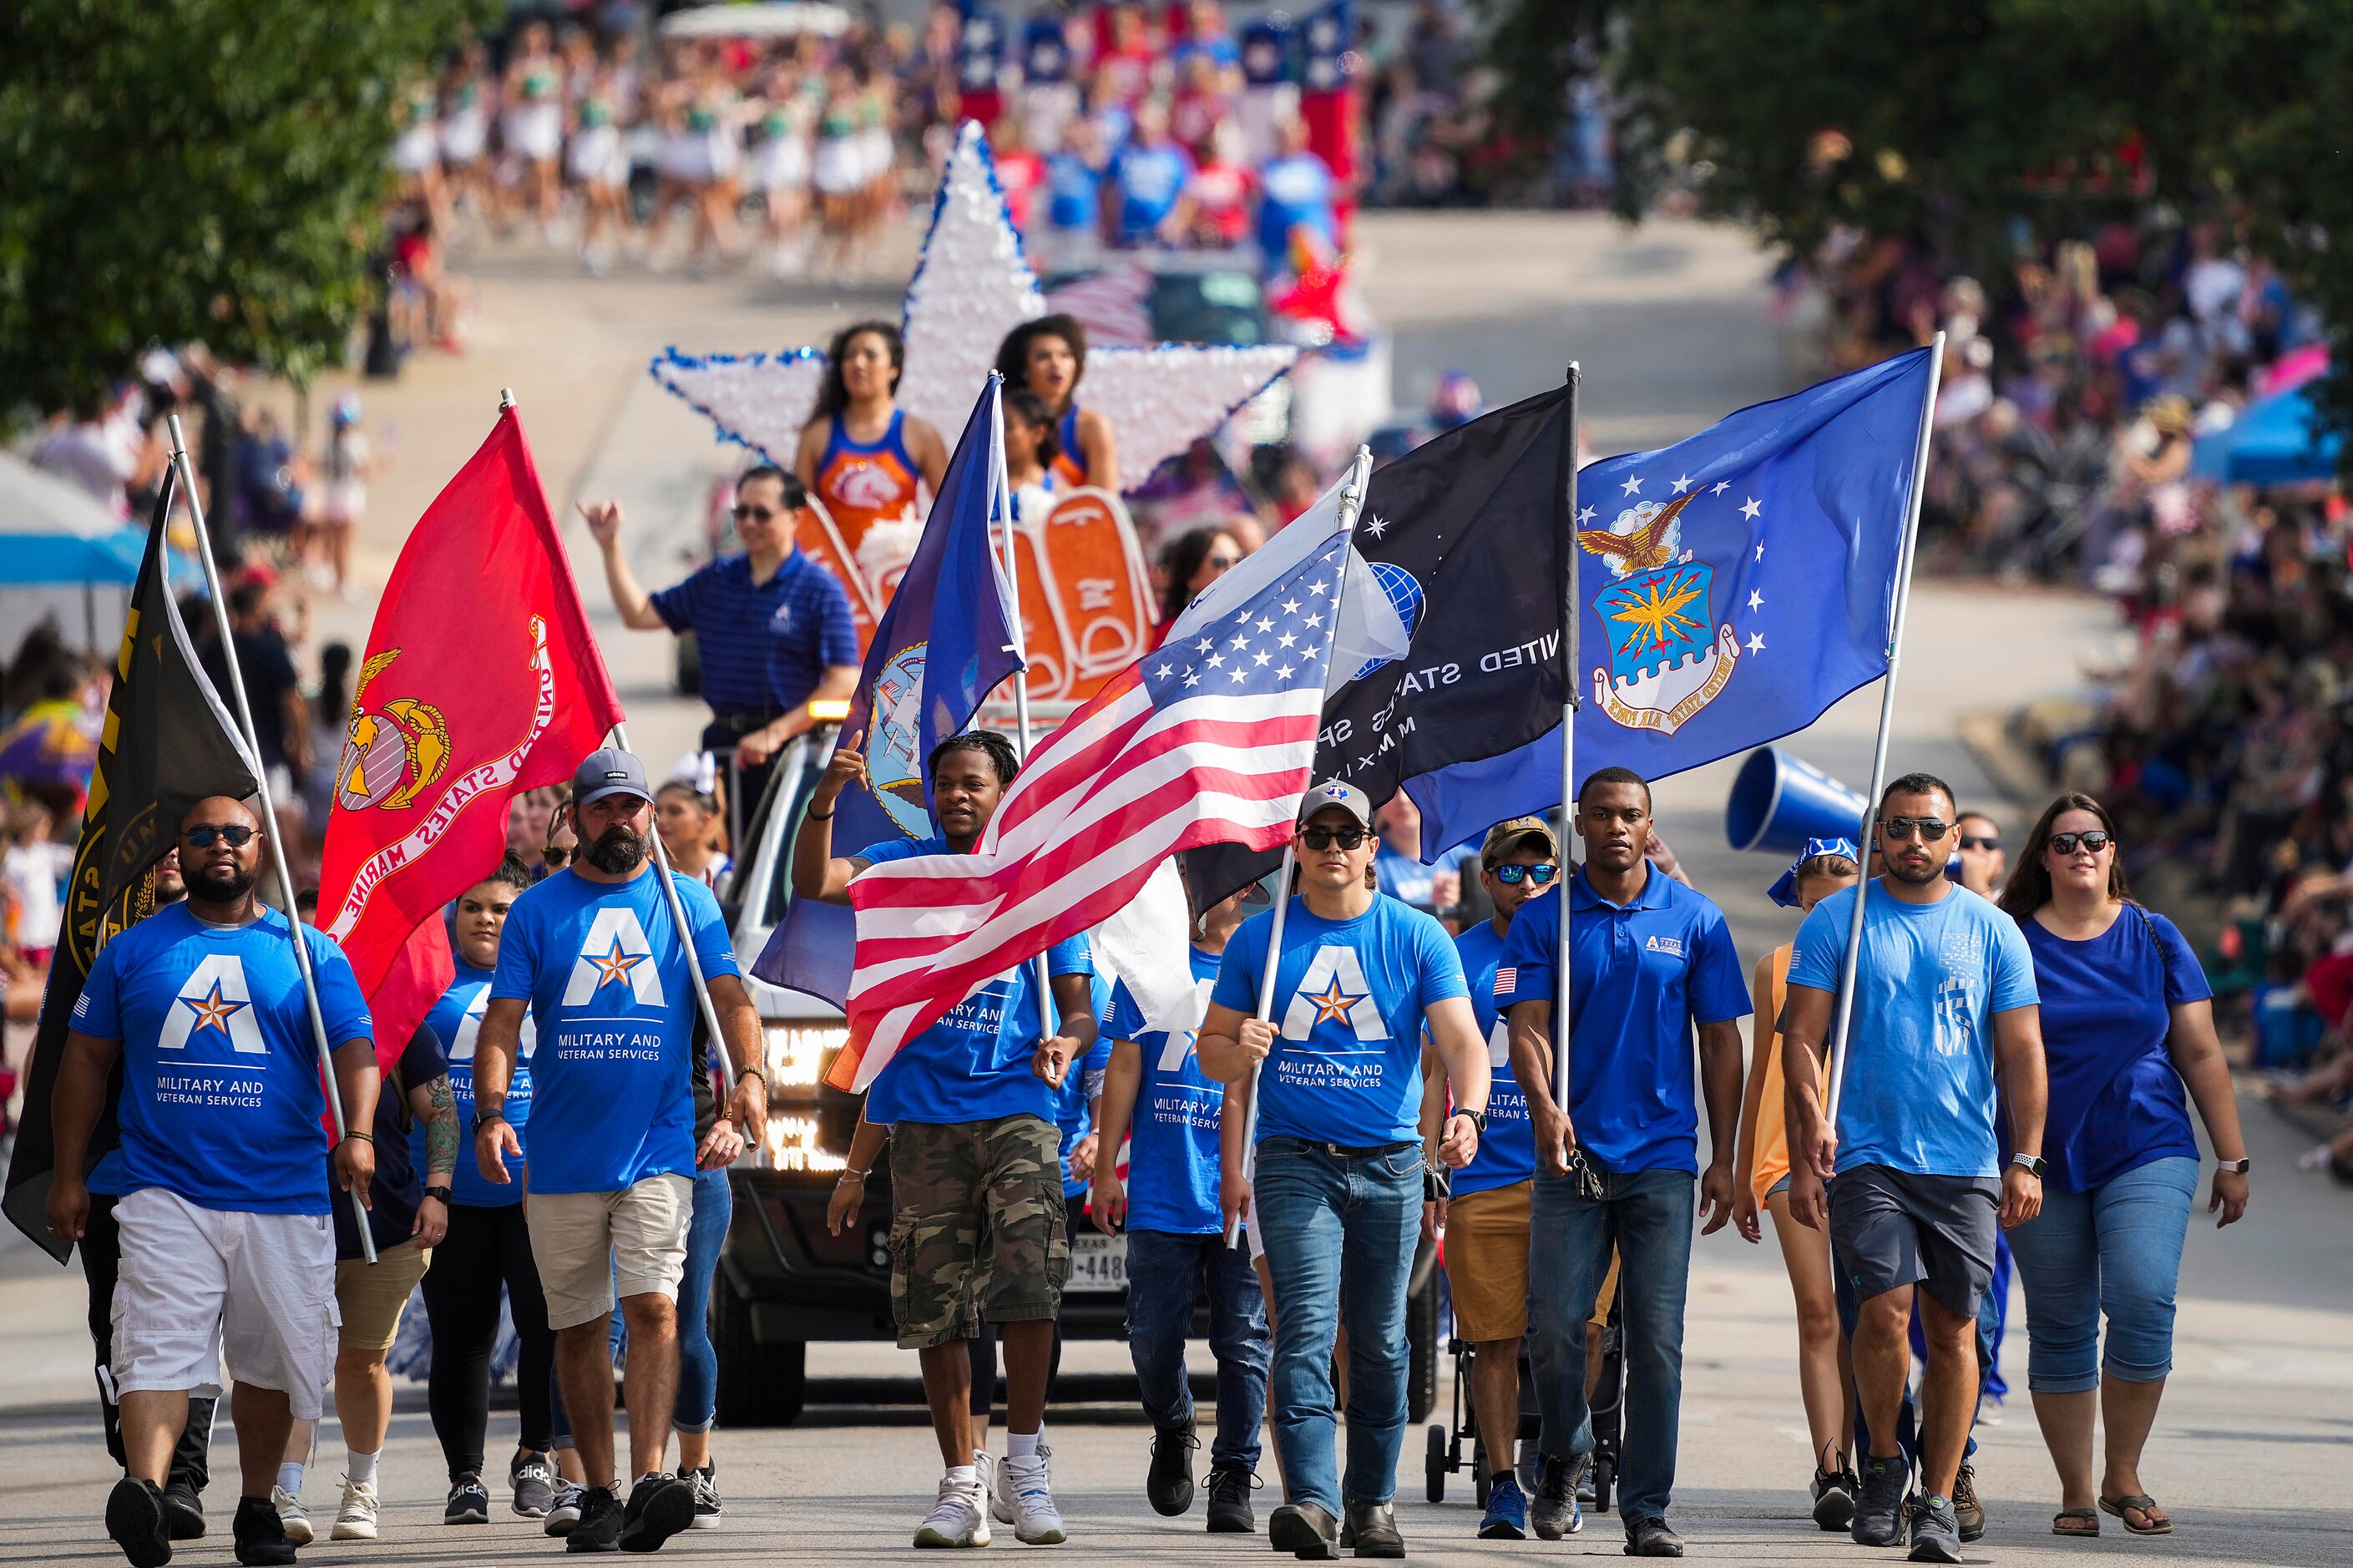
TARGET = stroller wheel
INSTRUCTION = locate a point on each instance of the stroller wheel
(1435, 1465)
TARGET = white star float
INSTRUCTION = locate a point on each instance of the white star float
(972, 286)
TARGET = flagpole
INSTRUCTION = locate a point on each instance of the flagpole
(1571, 624)
(1352, 501)
(1843, 1021)
(269, 815)
(686, 941)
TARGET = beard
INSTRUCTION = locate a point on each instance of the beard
(1895, 868)
(222, 884)
(618, 852)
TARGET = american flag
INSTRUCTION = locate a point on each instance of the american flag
(1507, 980)
(1208, 739)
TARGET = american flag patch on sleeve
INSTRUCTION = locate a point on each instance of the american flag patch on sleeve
(1505, 979)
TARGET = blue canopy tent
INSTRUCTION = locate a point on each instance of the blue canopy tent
(2277, 440)
(58, 548)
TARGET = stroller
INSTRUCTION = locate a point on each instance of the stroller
(1445, 1455)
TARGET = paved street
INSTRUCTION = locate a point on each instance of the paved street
(1671, 323)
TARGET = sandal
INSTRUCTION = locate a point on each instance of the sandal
(2075, 1521)
(2143, 1504)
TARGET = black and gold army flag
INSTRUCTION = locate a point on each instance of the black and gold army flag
(169, 743)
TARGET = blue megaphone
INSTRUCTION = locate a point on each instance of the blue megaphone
(1778, 802)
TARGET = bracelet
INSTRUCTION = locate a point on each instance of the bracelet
(368, 1138)
(850, 1175)
(814, 815)
(486, 1118)
(761, 1073)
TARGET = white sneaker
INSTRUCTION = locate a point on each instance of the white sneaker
(291, 1514)
(992, 1485)
(1035, 1520)
(356, 1520)
(960, 1516)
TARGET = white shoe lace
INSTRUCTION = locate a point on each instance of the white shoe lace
(359, 1498)
(1033, 1487)
(953, 1514)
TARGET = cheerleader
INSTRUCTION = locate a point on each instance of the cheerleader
(416, 153)
(780, 171)
(837, 172)
(597, 160)
(465, 131)
(1047, 356)
(861, 454)
(1030, 449)
(531, 127)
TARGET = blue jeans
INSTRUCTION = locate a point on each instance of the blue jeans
(2115, 1249)
(1338, 1225)
(698, 1362)
(1165, 1274)
(1647, 1216)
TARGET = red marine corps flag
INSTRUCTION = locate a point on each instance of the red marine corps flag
(481, 680)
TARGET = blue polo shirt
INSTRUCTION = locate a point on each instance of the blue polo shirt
(763, 645)
(1645, 971)
(1507, 1149)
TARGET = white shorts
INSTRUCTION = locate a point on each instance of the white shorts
(534, 131)
(259, 1286)
(838, 169)
(595, 157)
(781, 165)
(581, 1240)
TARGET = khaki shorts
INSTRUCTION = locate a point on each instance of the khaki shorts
(1487, 1263)
(978, 1227)
(371, 1294)
(581, 1240)
(1607, 1296)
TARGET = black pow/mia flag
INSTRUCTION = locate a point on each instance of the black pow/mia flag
(169, 743)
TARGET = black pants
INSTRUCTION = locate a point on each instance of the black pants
(748, 784)
(101, 1259)
(485, 1247)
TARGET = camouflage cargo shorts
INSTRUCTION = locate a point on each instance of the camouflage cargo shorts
(979, 1229)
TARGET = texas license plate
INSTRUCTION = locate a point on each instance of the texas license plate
(1098, 1263)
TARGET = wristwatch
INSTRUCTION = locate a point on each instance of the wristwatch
(1477, 1118)
(441, 1192)
(2238, 1167)
(2032, 1164)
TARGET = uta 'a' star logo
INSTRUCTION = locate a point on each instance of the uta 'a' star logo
(213, 1010)
(1332, 1003)
(614, 966)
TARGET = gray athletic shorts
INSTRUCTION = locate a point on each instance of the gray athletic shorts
(1891, 1229)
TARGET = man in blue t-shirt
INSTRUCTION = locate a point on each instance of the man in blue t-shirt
(1156, 1096)
(975, 1156)
(1944, 1001)
(1338, 1163)
(1651, 960)
(1146, 201)
(222, 1177)
(595, 957)
(1294, 197)
(1485, 1215)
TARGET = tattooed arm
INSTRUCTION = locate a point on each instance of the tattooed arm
(436, 1110)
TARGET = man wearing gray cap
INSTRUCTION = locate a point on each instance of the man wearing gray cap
(596, 954)
(1339, 1166)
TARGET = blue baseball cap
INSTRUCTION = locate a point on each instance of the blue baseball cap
(1785, 891)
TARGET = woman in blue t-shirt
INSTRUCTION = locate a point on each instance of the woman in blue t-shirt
(2127, 1028)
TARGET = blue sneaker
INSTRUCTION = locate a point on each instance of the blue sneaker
(1508, 1510)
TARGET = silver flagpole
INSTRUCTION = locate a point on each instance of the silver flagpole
(1352, 501)
(1844, 1020)
(686, 942)
(1568, 706)
(269, 815)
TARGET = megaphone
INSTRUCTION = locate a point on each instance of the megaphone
(1778, 802)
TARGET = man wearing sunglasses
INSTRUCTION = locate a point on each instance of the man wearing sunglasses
(1977, 838)
(1945, 1011)
(222, 1210)
(1653, 963)
(1486, 1212)
(1339, 1169)
(772, 628)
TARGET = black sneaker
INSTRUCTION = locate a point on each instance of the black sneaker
(1879, 1506)
(1936, 1533)
(1169, 1484)
(599, 1528)
(134, 1521)
(1834, 1499)
(709, 1512)
(660, 1507)
(469, 1502)
(534, 1480)
(259, 1533)
(1230, 1500)
(1648, 1536)
(1555, 1511)
(183, 1510)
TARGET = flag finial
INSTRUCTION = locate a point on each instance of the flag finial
(506, 398)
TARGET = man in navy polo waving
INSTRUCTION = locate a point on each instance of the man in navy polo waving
(1651, 958)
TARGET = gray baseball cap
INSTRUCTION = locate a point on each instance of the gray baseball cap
(610, 771)
(1332, 792)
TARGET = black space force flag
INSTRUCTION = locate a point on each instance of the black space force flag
(1466, 536)
(169, 743)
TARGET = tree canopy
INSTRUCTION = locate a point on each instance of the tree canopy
(194, 169)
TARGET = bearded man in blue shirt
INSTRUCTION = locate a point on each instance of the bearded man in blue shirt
(1618, 1164)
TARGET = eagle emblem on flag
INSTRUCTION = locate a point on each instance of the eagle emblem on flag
(1666, 662)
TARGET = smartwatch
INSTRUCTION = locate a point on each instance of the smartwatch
(442, 1193)
(2032, 1164)
(1478, 1119)
(2238, 1167)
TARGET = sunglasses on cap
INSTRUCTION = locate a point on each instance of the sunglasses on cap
(1322, 838)
(1930, 829)
(236, 836)
(2094, 841)
(1512, 875)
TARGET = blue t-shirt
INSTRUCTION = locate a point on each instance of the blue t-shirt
(1919, 1077)
(763, 646)
(1507, 1149)
(1073, 193)
(1405, 879)
(1172, 1138)
(1074, 1102)
(602, 967)
(974, 1065)
(1645, 973)
(399, 1183)
(1293, 190)
(453, 1023)
(220, 1075)
(1349, 997)
(2116, 1102)
(1150, 179)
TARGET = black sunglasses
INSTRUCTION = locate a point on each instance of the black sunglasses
(236, 836)
(747, 513)
(2094, 841)
(1931, 830)
(1512, 875)
(1322, 838)
(1974, 841)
